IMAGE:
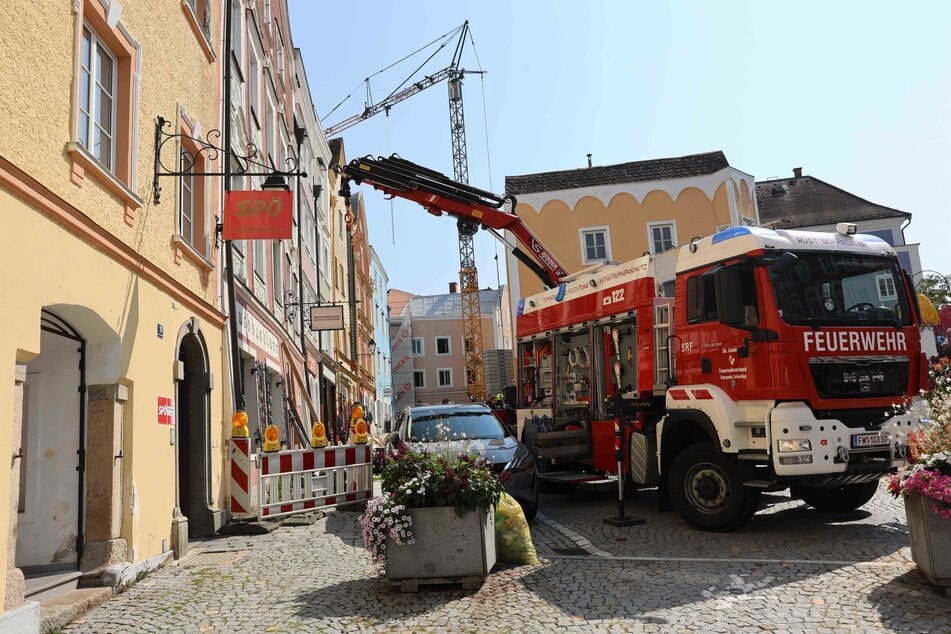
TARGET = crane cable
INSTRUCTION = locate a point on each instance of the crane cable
(366, 81)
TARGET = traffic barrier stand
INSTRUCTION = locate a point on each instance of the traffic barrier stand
(310, 479)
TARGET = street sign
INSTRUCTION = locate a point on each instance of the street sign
(326, 317)
(252, 215)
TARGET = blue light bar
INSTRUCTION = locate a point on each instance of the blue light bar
(732, 232)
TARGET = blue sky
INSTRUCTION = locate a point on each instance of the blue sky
(857, 93)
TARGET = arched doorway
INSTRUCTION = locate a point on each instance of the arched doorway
(52, 453)
(193, 419)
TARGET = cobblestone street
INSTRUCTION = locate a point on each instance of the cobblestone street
(790, 569)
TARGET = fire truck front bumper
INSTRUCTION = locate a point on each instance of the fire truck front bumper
(802, 445)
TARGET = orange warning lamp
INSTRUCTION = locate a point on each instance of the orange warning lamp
(272, 438)
(360, 435)
(239, 424)
(318, 437)
(356, 411)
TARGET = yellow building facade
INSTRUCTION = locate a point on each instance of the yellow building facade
(619, 212)
(112, 342)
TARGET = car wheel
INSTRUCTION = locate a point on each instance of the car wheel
(707, 490)
(530, 507)
(844, 498)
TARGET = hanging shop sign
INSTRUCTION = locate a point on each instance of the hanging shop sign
(326, 317)
(252, 215)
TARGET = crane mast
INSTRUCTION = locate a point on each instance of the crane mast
(468, 273)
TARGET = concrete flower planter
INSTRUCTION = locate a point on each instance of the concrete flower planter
(447, 549)
(930, 536)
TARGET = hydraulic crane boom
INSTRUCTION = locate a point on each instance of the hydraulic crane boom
(440, 195)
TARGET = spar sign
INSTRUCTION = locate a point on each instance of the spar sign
(166, 411)
(257, 216)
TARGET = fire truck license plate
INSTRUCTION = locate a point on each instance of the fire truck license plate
(869, 440)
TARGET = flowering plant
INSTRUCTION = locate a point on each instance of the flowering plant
(423, 478)
(416, 479)
(928, 472)
(385, 517)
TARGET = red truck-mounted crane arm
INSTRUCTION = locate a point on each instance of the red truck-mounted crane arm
(440, 195)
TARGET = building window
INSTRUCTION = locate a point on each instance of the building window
(254, 95)
(418, 349)
(662, 236)
(260, 264)
(186, 200)
(444, 377)
(886, 287)
(237, 30)
(277, 281)
(97, 99)
(419, 378)
(198, 14)
(442, 346)
(104, 110)
(595, 244)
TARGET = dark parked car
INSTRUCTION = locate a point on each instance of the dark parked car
(474, 428)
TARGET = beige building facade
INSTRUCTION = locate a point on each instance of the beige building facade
(432, 366)
(112, 342)
(619, 212)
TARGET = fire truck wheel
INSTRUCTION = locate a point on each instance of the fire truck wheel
(844, 498)
(707, 490)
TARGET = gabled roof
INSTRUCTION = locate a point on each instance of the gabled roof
(652, 170)
(807, 201)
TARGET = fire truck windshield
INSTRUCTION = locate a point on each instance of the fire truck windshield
(841, 289)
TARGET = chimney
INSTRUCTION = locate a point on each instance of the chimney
(589, 158)
(797, 172)
(452, 287)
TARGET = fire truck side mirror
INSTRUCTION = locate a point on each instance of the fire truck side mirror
(784, 262)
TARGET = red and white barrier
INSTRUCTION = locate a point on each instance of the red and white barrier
(241, 479)
(306, 479)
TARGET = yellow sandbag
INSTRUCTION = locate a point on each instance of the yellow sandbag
(513, 539)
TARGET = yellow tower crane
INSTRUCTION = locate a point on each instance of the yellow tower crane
(468, 274)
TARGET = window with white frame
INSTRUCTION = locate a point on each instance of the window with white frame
(237, 30)
(254, 86)
(886, 287)
(260, 263)
(444, 377)
(97, 100)
(271, 140)
(595, 244)
(418, 349)
(443, 346)
(186, 199)
(662, 236)
(277, 281)
(419, 378)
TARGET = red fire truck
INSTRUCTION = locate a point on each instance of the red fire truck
(746, 361)
(763, 360)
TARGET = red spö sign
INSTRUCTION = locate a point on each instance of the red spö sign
(257, 216)
(166, 411)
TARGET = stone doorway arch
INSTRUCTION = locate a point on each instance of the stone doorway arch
(193, 384)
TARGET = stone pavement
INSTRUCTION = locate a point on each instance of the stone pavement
(790, 570)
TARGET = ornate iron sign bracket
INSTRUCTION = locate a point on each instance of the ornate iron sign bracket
(247, 164)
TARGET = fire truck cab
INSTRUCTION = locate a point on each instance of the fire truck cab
(750, 360)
